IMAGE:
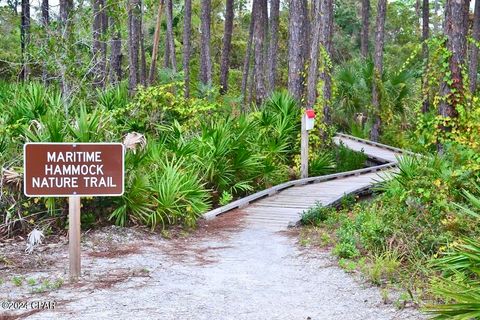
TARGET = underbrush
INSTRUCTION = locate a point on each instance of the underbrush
(419, 234)
(184, 156)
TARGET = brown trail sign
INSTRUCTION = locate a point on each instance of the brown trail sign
(73, 170)
(67, 169)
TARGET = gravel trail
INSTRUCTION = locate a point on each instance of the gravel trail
(225, 271)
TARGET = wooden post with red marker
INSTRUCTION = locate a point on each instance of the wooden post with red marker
(308, 122)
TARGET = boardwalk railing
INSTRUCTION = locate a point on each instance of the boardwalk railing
(243, 202)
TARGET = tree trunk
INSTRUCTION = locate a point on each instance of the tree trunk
(273, 47)
(473, 68)
(246, 61)
(187, 29)
(166, 54)
(259, 40)
(45, 23)
(378, 66)
(66, 6)
(205, 59)
(425, 36)
(365, 28)
(314, 52)
(227, 45)
(99, 49)
(436, 8)
(116, 57)
(156, 41)
(326, 35)
(296, 48)
(143, 59)
(133, 44)
(264, 4)
(25, 38)
(171, 39)
(455, 28)
(45, 13)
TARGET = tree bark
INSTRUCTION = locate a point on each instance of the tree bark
(205, 59)
(326, 35)
(45, 23)
(296, 48)
(455, 27)
(166, 54)
(259, 41)
(143, 59)
(436, 8)
(99, 48)
(378, 66)
(45, 13)
(66, 6)
(246, 61)
(116, 57)
(187, 29)
(365, 28)
(133, 44)
(273, 47)
(227, 45)
(25, 38)
(473, 68)
(425, 36)
(156, 41)
(171, 44)
(314, 53)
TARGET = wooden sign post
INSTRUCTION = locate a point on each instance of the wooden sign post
(74, 237)
(73, 170)
(304, 150)
(308, 121)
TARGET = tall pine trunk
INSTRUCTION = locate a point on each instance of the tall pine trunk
(246, 61)
(227, 45)
(378, 67)
(156, 42)
(259, 41)
(297, 49)
(45, 23)
(365, 28)
(455, 28)
(25, 38)
(115, 54)
(205, 59)
(133, 44)
(425, 36)
(314, 53)
(473, 67)
(143, 59)
(99, 48)
(326, 41)
(166, 55)
(273, 46)
(66, 6)
(187, 30)
(170, 38)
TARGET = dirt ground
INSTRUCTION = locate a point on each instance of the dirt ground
(223, 270)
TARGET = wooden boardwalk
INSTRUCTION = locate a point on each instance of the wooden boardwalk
(280, 206)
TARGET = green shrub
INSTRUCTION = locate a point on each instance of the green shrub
(347, 244)
(316, 215)
(321, 164)
(179, 195)
(348, 160)
(459, 285)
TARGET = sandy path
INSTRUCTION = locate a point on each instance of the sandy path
(224, 272)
